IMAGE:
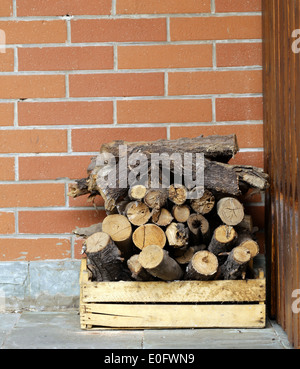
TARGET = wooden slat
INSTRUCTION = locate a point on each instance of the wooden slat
(174, 316)
(179, 291)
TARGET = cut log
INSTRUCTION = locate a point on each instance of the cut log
(162, 217)
(137, 271)
(199, 229)
(177, 235)
(230, 210)
(205, 204)
(219, 148)
(159, 264)
(149, 234)
(223, 240)
(137, 192)
(236, 264)
(245, 239)
(88, 231)
(156, 198)
(120, 230)
(105, 258)
(181, 213)
(178, 194)
(202, 267)
(186, 256)
(137, 213)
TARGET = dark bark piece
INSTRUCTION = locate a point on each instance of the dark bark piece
(177, 235)
(105, 258)
(223, 240)
(235, 266)
(199, 229)
(203, 266)
(159, 264)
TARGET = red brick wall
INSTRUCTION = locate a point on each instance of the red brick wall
(78, 73)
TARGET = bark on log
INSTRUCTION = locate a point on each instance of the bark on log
(181, 213)
(199, 229)
(159, 264)
(245, 239)
(230, 210)
(223, 239)
(236, 264)
(137, 271)
(177, 235)
(148, 234)
(202, 267)
(105, 257)
(120, 230)
(204, 204)
(162, 217)
(137, 213)
(246, 224)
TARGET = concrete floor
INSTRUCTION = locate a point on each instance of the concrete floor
(61, 330)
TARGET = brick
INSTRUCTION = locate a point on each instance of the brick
(6, 8)
(6, 114)
(162, 7)
(164, 56)
(53, 167)
(7, 169)
(85, 140)
(65, 113)
(24, 87)
(32, 195)
(30, 249)
(250, 136)
(118, 84)
(84, 201)
(57, 221)
(237, 55)
(35, 32)
(33, 141)
(78, 244)
(164, 111)
(66, 58)
(255, 158)
(7, 224)
(66, 7)
(223, 6)
(215, 82)
(7, 60)
(118, 30)
(216, 28)
(239, 109)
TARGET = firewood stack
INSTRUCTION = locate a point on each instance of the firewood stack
(162, 233)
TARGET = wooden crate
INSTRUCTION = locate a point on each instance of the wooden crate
(166, 305)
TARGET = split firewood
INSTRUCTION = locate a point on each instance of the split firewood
(178, 194)
(230, 210)
(204, 204)
(177, 234)
(162, 217)
(185, 256)
(137, 192)
(236, 264)
(137, 271)
(245, 239)
(105, 258)
(149, 234)
(199, 229)
(203, 266)
(137, 213)
(181, 213)
(223, 240)
(159, 264)
(120, 230)
(156, 198)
